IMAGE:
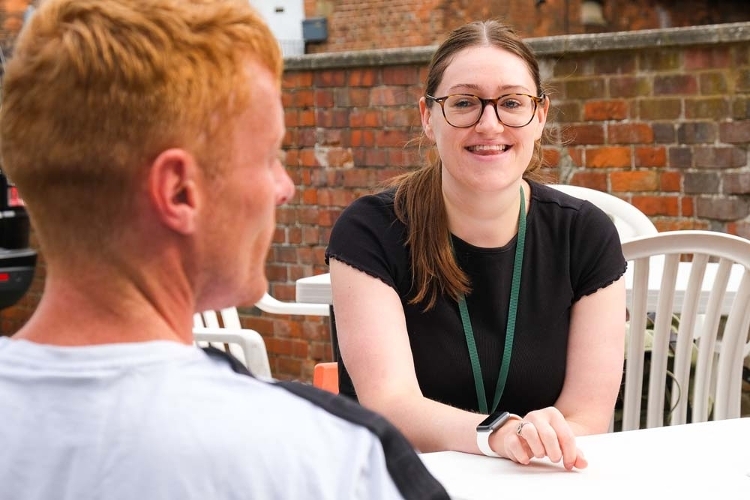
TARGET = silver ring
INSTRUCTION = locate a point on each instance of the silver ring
(519, 429)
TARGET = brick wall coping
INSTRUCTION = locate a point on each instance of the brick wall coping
(542, 46)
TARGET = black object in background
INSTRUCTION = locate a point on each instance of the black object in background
(17, 260)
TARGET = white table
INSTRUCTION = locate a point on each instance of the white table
(314, 289)
(317, 289)
(695, 461)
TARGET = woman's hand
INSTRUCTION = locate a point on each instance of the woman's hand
(542, 433)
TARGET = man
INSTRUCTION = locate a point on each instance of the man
(144, 137)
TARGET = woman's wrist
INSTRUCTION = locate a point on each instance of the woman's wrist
(497, 439)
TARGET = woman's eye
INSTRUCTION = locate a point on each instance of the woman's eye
(463, 103)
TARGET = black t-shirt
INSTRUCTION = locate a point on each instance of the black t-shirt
(572, 249)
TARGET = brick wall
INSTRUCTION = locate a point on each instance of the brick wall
(660, 118)
(371, 24)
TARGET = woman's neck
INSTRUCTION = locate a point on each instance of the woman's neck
(487, 220)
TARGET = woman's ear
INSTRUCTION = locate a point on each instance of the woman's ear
(542, 110)
(425, 113)
(173, 183)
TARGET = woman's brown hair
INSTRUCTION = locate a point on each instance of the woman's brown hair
(419, 199)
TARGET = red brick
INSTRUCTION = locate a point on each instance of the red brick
(605, 110)
(650, 156)
(630, 133)
(634, 181)
(608, 157)
(670, 181)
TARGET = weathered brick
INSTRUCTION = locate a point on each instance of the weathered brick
(639, 180)
(650, 156)
(359, 97)
(657, 205)
(719, 157)
(608, 157)
(659, 109)
(297, 79)
(588, 88)
(737, 183)
(605, 110)
(566, 112)
(703, 108)
(713, 83)
(329, 78)
(707, 58)
(670, 181)
(323, 98)
(570, 66)
(660, 60)
(740, 108)
(675, 84)
(614, 63)
(742, 81)
(696, 133)
(680, 157)
(390, 96)
(402, 117)
(399, 75)
(630, 133)
(735, 132)
(583, 134)
(629, 86)
(722, 209)
(366, 118)
(593, 180)
(364, 77)
(701, 183)
(664, 133)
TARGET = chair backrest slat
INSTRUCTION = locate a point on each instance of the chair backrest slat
(698, 343)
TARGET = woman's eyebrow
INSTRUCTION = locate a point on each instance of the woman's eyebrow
(474, 87)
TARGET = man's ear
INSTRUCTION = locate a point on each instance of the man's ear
(173, 183)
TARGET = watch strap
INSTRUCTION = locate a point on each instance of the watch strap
(483, 443)
(483, 436)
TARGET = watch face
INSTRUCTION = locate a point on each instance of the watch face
(492, 422)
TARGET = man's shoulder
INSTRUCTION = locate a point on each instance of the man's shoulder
(405, 468)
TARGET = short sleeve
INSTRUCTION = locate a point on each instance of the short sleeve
(368, 236)
(596, 252)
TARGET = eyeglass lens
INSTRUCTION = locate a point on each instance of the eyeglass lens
(464, 110)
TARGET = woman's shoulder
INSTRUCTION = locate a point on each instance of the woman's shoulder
(559, 203)
(556, 210)
(381, 199)
(370, 213)
(547, 193)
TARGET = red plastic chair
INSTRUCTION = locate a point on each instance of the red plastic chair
(326, 376)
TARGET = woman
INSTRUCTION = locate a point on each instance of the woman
(431, 330)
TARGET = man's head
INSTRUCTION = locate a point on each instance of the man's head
(97, 92)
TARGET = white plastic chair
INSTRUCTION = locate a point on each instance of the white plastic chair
(224, 331)
(273, 306)
(715, 389)
(228, 335)
(629, 221)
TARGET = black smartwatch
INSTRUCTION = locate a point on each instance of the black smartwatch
(486, 428)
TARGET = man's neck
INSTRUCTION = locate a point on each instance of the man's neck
(77, 313)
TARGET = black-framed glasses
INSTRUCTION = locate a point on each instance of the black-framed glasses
(465, 110)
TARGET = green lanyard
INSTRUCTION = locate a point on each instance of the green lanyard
(510, 329)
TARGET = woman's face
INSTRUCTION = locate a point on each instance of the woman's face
(487, 156)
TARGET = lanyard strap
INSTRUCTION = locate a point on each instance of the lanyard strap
(510, 328)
